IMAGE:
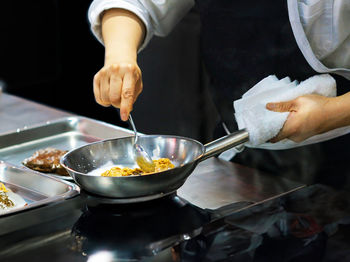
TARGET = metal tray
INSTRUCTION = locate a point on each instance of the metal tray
(35, 188)
(65, 134)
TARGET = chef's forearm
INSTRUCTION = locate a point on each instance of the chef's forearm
(338, 112)
(123, 33)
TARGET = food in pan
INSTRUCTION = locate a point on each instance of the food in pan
(9, 199)
(47, 160)
(125, 171)
(161, 164)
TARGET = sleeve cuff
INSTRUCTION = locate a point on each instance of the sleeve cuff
(98, 7)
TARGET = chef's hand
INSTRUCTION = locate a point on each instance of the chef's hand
(119, 82)
(309, 115)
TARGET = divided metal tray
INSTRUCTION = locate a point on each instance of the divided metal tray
(36, 189)
(65, 134)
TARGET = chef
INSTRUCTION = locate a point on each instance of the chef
(242, 42)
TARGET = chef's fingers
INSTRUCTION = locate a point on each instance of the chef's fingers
(138, 89)
(104, 87)
(288, 130)
(281, 106)
(115, 86)
(286, 134)
(97, 88)
(277, 138)
(127, 95)
(280, 136)
(99, 83)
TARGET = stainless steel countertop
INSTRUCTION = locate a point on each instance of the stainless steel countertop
(217, 183)
(214, 184)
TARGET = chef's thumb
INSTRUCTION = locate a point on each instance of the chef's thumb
(280, 106)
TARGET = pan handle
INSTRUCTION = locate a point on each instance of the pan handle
(224, 143)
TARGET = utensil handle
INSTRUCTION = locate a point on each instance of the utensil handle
(133, 127)
(224, 143)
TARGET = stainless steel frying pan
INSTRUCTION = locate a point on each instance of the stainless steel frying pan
(183, 152)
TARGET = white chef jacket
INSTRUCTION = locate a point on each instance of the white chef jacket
(321, 27)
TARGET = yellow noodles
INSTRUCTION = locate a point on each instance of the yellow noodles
(162, 164)
(3, 188)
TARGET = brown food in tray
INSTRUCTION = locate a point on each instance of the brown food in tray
(47, 160)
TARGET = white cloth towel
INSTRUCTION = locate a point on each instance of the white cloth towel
(262, 124)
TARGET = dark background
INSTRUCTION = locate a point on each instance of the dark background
(48, 54)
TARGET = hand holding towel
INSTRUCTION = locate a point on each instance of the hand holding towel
(262, 124)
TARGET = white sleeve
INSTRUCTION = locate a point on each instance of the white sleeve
(322, 32)
(158, 16)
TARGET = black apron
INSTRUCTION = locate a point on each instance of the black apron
(244, 41)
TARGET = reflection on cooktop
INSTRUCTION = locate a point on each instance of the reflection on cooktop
(137, 230)
(311, 224)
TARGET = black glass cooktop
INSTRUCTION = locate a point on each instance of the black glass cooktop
(136, 230)
(312, 224)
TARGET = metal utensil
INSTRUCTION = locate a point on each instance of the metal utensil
(183, 152)
(143, 160)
